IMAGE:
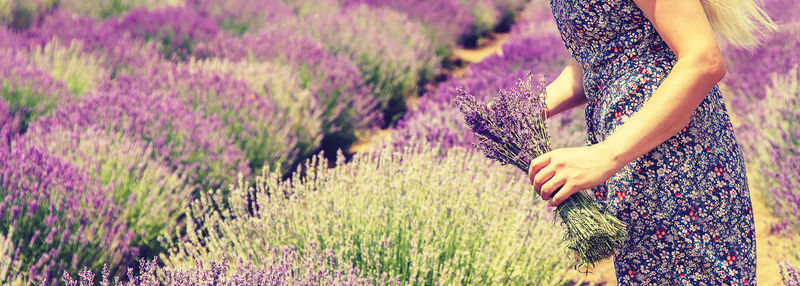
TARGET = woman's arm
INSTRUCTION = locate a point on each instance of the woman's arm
(566, 91)
(685, 28)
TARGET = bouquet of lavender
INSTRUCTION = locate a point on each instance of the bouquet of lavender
(512, 129)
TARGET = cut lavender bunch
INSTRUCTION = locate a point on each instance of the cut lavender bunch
(512, 129)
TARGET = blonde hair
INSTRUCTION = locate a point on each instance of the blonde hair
(743, 23)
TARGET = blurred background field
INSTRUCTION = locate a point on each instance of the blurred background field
(299, 142)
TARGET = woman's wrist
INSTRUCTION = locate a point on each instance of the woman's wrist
(614, 152)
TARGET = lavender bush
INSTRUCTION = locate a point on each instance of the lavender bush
(256, 125)
(9, 124)
(27, 91)
(21, 14)
(80, 72)
(285, 266)
(512, 130)
(409, 215)
(176, 30)
(773, 138)
(54, 218)
(118, 51)
(150, 195)
(539, 54)
(446, 22)
(345, 101)
(747, 76)
(188, 142)
(242, 16)
(391, 51)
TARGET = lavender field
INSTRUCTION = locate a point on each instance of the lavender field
(199, 142)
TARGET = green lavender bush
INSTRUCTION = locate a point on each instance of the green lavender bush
(80, 72)
(405, 214)
(150, 194)
(392, 51)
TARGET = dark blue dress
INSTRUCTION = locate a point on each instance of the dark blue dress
(686, 202)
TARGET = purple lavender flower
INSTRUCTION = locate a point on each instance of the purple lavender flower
(56, 217)
(512, 130)
(286, 267)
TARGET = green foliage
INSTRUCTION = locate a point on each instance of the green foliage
(80, 72)
(410, 215)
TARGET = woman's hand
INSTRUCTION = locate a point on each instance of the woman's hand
(571, 170)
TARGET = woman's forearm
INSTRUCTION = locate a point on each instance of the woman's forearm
(566, 91)
(668, 110)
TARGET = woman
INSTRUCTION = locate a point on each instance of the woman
(662, 155)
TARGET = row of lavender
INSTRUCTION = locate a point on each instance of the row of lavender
(114, 117)
(766, 99)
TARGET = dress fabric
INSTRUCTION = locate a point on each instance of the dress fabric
(686, 202)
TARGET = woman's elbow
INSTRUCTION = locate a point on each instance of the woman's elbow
(708, 65)
(716, 67)
(712, 66)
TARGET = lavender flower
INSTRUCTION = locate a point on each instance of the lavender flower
(285, 267)
(56, 217)
(512, 130)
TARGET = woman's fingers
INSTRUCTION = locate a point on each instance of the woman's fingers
(537, 164)
(562, 195)
(552, 185)
(541, 177)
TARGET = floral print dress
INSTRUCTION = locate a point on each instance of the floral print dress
(686, 202)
